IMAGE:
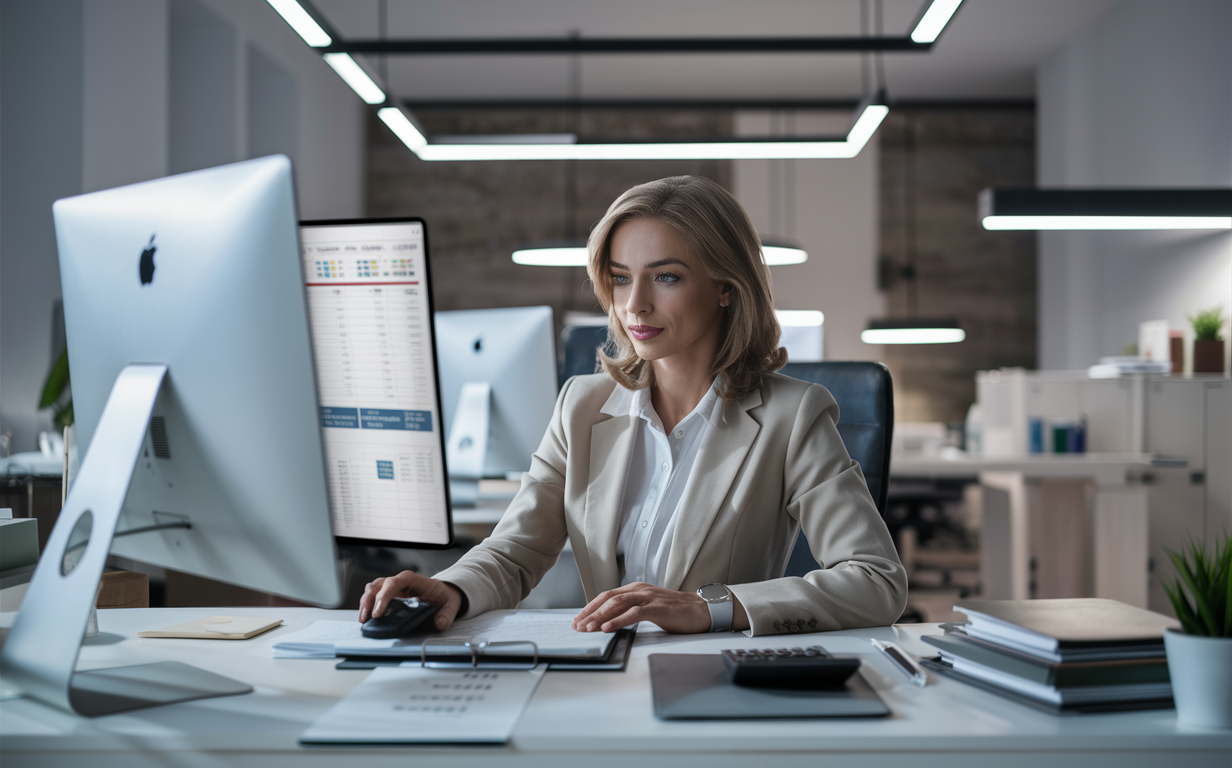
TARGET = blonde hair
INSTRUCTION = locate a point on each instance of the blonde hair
(722, 236)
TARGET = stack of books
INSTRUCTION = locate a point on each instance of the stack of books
(1082, 655)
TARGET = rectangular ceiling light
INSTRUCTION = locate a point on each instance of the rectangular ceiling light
(930, 25)
(913, 331)
(1105, 209)
(403, 128)
(304, 25)
(869, 116)
(356, 77)
(800, 318)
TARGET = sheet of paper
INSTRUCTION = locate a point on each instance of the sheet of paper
(317, 640)
(549, 630)
(395, 705)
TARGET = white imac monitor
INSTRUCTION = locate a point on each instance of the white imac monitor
(370, 303)
(498, 388)
(194, 390)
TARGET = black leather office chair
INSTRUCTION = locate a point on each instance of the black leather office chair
(582, 343)
(866, 424)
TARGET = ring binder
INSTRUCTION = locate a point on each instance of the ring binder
(475, 650)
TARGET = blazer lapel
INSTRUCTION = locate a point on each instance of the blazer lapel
(718, 461)
(611, 449)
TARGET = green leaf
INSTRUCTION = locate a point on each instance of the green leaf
(1189, 622)
(64, 415)
(1207, 577)
(1187, 576)
(57, 380)
(1226, 557)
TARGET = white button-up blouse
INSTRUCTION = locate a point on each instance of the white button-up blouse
(658, 472)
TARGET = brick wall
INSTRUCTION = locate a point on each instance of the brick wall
(985, 279)
(478, 213)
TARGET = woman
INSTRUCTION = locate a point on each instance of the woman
(682, 473)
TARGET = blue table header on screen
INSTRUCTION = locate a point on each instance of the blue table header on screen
(387, 418)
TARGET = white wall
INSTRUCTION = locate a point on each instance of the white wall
(831, 208)
(1141, 99)
(97, 94)
(40, 160)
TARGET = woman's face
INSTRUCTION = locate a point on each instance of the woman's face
(662, 295)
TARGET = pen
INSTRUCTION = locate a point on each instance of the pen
(903, 661)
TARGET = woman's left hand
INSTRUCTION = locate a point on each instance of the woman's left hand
(677, 612)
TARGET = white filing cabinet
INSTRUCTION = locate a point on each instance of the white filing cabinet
(1187, 418)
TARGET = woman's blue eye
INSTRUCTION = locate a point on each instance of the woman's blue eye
(620, 279)
(667, 277)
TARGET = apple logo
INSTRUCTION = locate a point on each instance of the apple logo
(147, 262)
(477, 345)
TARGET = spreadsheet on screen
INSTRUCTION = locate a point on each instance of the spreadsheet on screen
(370, 314)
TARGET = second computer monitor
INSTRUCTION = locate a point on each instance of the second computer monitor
(500, 365)
(369, 297)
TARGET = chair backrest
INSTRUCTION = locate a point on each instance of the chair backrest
(582, 343)
(865, 399)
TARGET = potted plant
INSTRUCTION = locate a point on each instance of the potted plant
(57, 395)
(1208, 342)
(1200, 654)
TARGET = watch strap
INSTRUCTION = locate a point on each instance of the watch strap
(722, 609)
(721, 615)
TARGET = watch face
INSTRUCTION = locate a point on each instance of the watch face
(714, 593)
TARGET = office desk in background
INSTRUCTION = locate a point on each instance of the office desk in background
(1069, 525)
(592, 719)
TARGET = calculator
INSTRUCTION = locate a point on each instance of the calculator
(807, 668)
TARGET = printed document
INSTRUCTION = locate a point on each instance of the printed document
(396, 705)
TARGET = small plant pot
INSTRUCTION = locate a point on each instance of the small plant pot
(1208, 357)
(1201, 672)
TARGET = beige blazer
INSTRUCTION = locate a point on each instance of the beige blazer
(774, 465)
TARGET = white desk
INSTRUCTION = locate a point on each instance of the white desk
(590, 719)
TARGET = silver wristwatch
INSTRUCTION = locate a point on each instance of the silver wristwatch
(718, 599)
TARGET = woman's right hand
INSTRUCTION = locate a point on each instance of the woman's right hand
(378, 593)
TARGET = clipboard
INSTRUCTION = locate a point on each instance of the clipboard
(615, 660)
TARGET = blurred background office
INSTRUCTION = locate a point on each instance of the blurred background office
(1055, 93)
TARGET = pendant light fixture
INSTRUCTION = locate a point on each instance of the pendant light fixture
(779, 251)
(911, 329)
(311, 25)
(1105, 209)
(574, 254)
(867, 117)
(570, 251)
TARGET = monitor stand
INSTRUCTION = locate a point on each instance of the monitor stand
(466, 450)
(40, 653)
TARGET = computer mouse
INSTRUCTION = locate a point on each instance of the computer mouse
(401, 617)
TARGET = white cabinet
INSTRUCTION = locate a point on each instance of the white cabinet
(1175, 418)
(1187, 418)
(1111, 408)
(1218, 464)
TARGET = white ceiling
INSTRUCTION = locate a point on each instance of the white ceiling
(990, 49)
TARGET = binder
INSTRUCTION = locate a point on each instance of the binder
(507, 654)
(946, 670)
